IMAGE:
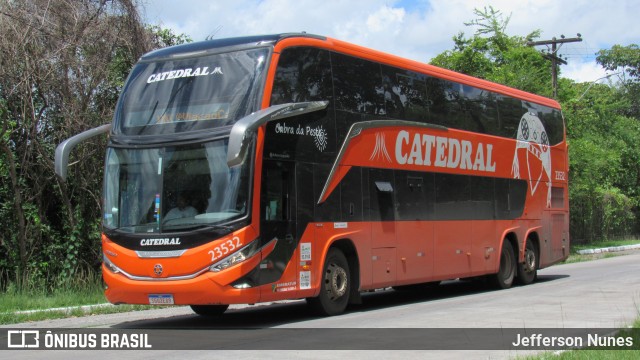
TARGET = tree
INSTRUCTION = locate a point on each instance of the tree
(626, 60)
(604, 137)
(602, 121)
(493, 55)
(62, 67)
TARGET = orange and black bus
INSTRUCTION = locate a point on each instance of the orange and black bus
(292, 166)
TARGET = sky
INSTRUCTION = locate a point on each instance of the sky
(414, 29)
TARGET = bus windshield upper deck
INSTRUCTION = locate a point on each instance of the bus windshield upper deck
(174, 95)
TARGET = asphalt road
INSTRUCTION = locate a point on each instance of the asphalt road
(596, 294)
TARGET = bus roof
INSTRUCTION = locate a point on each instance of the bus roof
(207, 45)
(432, 70)
(301, 39)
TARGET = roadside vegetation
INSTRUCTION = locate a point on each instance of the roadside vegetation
(24, 301)
(576, 257)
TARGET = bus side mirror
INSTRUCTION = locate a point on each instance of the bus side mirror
(64, 149)
(243, 129)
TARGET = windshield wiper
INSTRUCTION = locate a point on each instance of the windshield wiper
(193, 226)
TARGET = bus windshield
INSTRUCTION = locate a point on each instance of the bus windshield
(187, 94)
(172, 189)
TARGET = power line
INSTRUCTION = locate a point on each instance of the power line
(552, 54)
(596, 80)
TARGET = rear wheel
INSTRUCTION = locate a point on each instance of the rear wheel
(335, 286)
(507, 272)
(209, 310)
(528, 271)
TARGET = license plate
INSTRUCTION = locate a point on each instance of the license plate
(161, 299)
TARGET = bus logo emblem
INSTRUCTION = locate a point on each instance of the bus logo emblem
(320, 137)
(533, 138)
(380, 151)
(157, 269)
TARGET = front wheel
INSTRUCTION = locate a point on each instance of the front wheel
(335, 286)
(209, 310)
(528, 271)
(507, 271)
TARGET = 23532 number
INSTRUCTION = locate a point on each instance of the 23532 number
(225, 248)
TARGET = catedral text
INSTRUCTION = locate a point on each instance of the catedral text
(183, 73)
(164, 241)
(444, 152)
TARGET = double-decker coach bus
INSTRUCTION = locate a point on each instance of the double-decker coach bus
(291, 166)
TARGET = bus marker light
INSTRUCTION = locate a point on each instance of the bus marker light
(242, 286)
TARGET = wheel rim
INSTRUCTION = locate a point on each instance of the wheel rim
(529, 260)
(336, 281)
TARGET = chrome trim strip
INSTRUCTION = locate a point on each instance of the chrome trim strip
(169, 278)
(149, 278)
(356, 129)
(160, 254)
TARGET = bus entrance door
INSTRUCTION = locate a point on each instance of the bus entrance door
(278, 214)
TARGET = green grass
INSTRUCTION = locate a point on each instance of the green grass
(603, 244)
(82, 289)
(13, 318)
(18, 300)
(574, 257)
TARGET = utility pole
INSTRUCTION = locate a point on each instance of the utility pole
(552, 55)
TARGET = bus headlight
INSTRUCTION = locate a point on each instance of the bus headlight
(236, 257)
(114, 269)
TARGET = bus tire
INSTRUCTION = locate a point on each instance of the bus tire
(528, 270)
(508, 264)
(335, 285)
(209, 310)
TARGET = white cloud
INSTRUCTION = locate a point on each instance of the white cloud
(385, 18)
(416, 29)
(587, 72)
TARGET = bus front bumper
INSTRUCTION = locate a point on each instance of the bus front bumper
(202, 290)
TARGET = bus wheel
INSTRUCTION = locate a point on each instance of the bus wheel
(528, 271)
(507, 272)
(209, 310)
(335, 286)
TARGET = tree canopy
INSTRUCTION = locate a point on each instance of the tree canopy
(603, 122)
(62, 67)
(493, 55)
